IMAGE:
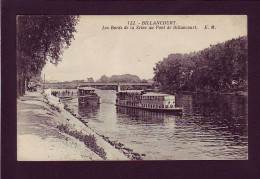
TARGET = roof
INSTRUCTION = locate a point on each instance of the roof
(87, 88)
(131, 91)
(145, 94)
(156, 94)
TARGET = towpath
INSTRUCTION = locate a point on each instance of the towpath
(47, 132)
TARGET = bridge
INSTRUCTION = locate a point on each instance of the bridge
(113, 84)
(94, 84)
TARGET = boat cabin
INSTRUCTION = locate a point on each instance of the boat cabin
(86, 91)
(87, 97)
(158, 100)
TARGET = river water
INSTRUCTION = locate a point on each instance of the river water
(211, 127)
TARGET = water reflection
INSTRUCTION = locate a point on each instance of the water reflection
(88, 110)
(143, 116)
(222, 112)
(211, 105)
(140, 116)
(223, 117)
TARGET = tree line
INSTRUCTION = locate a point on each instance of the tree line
(218, 68)
(41, 38)
(121, 79)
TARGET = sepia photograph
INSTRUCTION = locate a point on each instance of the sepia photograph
(132, 87)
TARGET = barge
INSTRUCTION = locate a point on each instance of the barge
(87, 97)
(141, 99)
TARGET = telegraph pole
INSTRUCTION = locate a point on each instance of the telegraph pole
(43, 83)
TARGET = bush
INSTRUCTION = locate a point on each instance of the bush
(89, 140)
(55, 108)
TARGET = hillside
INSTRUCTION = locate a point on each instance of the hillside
(120, 78)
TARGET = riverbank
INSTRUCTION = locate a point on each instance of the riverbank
(47, 132)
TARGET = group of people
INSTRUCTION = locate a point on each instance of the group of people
(62, 93)
(55, 93)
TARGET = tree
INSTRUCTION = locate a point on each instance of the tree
(91, 80)
(40, 39)
(219, 68)
(103, 79)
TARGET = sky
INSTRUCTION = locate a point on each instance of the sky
(95, 51)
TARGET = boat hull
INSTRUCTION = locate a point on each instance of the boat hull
(88, 101)
(66, 97)
(176, 109)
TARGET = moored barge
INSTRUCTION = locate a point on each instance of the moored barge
(65, 95)
(147, 100)
(87, 97)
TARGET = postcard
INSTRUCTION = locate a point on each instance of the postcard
(132, 87)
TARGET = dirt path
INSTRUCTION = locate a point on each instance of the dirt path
(40, 138)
